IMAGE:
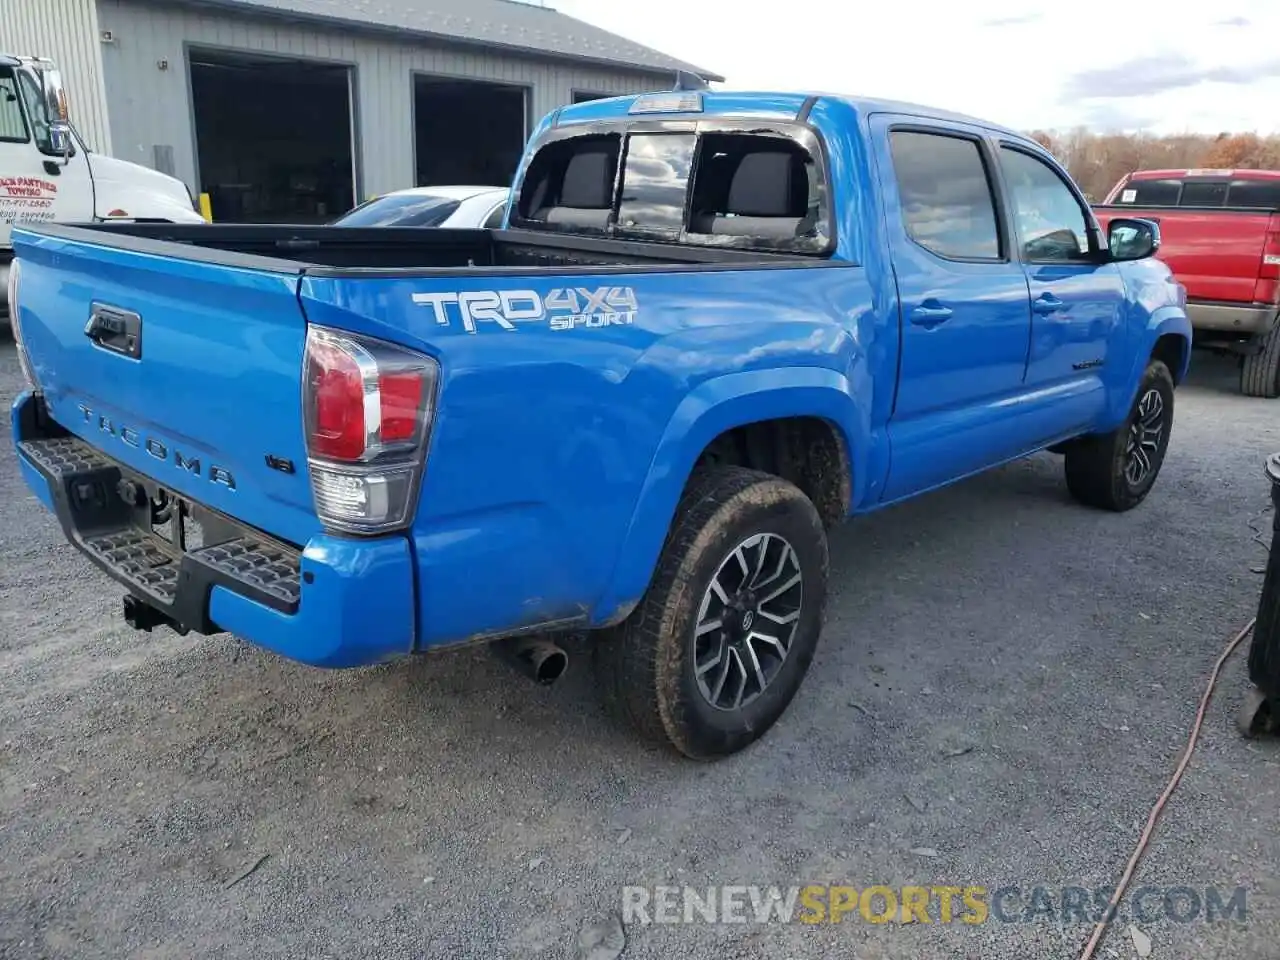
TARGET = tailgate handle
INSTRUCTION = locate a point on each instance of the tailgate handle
(114, 329)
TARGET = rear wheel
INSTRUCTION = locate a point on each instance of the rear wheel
(722, 640)
(1116, 470)
(1260, 372)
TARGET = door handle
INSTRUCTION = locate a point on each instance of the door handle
(114, 329)
(930, 313)
(1047, 303)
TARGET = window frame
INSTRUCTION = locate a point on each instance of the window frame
(22, 106)
(990, 172)
(802, 133)
(1093, 233)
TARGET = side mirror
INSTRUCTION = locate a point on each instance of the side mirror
(60, 139)
(1129, 238)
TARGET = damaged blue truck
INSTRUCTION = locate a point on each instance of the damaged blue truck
(713, 326)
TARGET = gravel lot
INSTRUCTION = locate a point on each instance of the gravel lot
(447, 808)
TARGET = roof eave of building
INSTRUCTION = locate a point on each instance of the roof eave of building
(249, 9)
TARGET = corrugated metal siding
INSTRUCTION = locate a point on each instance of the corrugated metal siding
(67, 32)
(151, 107)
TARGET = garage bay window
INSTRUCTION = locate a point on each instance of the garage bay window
(695, 184)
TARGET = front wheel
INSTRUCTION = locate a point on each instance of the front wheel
(722, 639)
(1116, 470)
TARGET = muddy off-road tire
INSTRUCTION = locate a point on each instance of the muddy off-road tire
(1260, 372)
(1116, 470)
(720, 643)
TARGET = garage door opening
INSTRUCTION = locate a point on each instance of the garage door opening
(273, 137)
(467, 132)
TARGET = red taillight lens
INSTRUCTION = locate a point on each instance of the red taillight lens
(401, 399)
(1271, 250)
(337, 391)
(368, 407)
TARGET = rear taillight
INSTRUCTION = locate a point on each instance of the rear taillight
(368, 407)
(1271, 250)
(24, 361)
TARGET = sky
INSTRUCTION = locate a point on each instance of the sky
(1162, 67)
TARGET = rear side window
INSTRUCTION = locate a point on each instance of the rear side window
(1150, 193)
(1256, 194)
(569, 184)
(947, 205)
(655, 183)
(13, 128)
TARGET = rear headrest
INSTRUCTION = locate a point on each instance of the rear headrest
(763, 186)
(588, 181)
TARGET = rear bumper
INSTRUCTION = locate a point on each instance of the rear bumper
(336, 602)
(1245, 318)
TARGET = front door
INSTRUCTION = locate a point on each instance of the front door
(34, 182)
(1077, 299)
(964, 308)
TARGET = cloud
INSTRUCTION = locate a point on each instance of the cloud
(1234, 22)
(1145, 76)
(1109, 117)
(1015, 21)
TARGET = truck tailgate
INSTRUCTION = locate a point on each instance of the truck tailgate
(186, 370)
(1215, 254)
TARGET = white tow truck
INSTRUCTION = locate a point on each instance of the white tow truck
(48, 173)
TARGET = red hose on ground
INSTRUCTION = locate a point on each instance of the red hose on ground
(1100, 930)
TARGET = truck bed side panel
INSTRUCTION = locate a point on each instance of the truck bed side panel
(557, 438)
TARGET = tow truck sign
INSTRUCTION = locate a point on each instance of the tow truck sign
(564, 308)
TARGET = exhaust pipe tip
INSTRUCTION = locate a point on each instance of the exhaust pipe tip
(541, 660)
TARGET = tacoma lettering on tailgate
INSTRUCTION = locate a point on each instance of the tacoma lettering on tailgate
(157, 448)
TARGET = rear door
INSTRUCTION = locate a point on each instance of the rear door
(184, 363)
(1077, 301)
(965, 311)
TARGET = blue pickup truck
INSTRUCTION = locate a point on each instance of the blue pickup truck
(713, 326)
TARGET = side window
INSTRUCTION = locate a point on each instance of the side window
(569, 184)
(13, 128)
(763, 188)
(947, 205)
(1051, 223)
(655, 183)
(1150, 193)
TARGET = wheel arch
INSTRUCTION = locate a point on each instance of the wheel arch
(816, 400)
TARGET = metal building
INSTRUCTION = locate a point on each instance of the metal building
(297, 109)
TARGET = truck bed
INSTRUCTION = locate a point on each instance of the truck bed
(393, 251)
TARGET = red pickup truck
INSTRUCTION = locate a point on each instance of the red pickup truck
(1220, 235)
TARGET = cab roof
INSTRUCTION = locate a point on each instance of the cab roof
(1227, 174)
(777, 105)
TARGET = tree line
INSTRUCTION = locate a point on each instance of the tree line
(1098, 160)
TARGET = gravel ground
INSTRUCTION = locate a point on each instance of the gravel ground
(1002, 690)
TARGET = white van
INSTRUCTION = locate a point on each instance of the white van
(47, 172)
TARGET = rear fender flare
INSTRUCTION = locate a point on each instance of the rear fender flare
(717, 405)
